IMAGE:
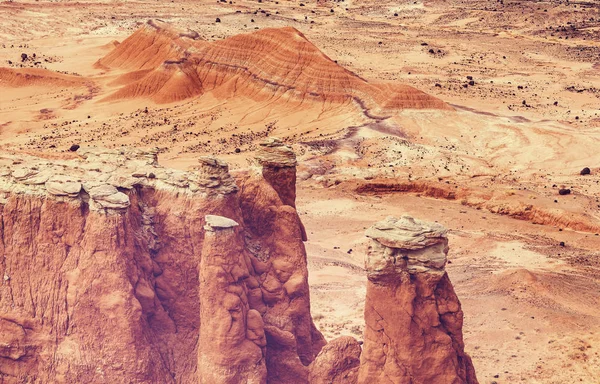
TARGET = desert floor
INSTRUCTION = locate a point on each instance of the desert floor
(490, 170)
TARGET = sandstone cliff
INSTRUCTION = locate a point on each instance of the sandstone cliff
(118, 270)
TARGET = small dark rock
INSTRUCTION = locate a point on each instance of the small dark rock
(585, 171)
(564, 191)
(74, 147)
(237, 150)
(218, 20)
(562, 244)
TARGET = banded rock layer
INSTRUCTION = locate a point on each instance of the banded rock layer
(270, 64)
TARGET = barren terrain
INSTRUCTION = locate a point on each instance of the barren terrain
(521, 86)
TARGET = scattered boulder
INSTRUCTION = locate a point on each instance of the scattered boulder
(564, 191)
(585, 171)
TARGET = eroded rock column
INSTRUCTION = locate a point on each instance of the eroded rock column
(413, 331)
(278, 163)
(278, 288)
(231, 347)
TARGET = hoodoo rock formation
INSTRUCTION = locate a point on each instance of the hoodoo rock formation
(279, 290)
(413, 318)
(118, 270)
(278, 163)
(413, 331)
(275, 64)
(232, 337)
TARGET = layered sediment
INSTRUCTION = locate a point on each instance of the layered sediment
(166, 65)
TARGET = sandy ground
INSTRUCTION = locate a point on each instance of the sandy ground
(523, 77)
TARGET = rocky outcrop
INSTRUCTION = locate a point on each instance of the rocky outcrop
(279, 288)
(117, 270)
(337, 363)
(147, 274)
(413, 318)
(272, 64)
(278, 163)
(232, 337)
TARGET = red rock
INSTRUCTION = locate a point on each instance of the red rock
(114, 276)
(413, 318)
(337, 363)
(167, 65)
(275, 235)
(231, 346)
(105, 286)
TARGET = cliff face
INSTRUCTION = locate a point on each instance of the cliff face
(413, 318)
(112, 268)
(117, 270)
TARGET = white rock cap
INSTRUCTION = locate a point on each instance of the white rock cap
(405, 245)
(407, 233)
(218, 222)
(274, 153)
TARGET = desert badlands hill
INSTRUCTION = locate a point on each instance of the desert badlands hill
(479, 117)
